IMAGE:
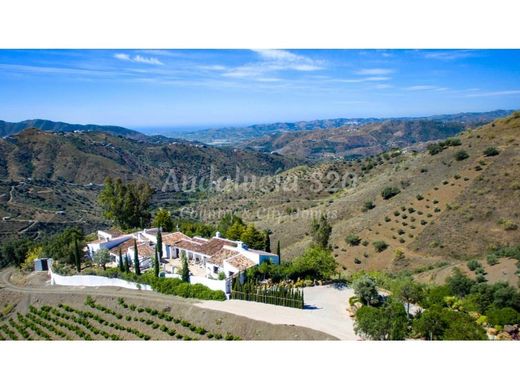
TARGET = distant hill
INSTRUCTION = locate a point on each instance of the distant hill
(458, 204)
(87, 157)
(354, 141)
(238, 135)
(9, 128)
(50, 180)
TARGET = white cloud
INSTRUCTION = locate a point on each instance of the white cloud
(496, 93)
(374, 71)
(448, 55)
(213, 67)
(365, 79)
(138, 59)
(274, 61)
(421, 87)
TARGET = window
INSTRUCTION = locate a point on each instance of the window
(215, 269)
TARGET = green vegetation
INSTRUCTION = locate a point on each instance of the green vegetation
(461, 309)
(368, 205)
(436, 148)
(14, 251)
(274, 295)
(163, 220)
(380, 246)
(185, 270)
(473, 265)
(353, 239)
(315, 263)
(320, 232)
(233, 227)
(387, 322)
(365, 288)
(137, 266)
(461, 155)
(126, 205)
(491, 151)
(101, 257)
(173, 286)
(390, 192)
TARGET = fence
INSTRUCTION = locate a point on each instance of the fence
(269, 298)
(95, 281)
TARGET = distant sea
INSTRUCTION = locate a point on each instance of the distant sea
(173, 130)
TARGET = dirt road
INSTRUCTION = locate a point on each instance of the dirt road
(325, 311)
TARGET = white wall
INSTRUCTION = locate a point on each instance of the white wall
(95, 281)
(213, 284)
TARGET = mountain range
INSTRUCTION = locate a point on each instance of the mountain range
(238, 135)
(450, 204)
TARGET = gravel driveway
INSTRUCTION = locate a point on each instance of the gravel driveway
(325, 310)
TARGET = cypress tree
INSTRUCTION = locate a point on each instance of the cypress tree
(77, 255)
(185, 272)
(267, 242)
(136, 260)
(159, 243)
(278, 252)
(121, 265)
(156, 263)
(127, 265)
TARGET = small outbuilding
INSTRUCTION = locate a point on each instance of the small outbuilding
(41, 264)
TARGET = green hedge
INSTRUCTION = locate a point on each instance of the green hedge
(177, 287)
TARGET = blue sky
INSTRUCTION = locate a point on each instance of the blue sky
(157, 89)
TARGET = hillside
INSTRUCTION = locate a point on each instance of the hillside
(240, 135)
(353, 142)
(9, 128)
(55, 177)
(448, 210)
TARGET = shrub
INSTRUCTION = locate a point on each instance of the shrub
(368, 205)
(397, 213)
(473, 265)
(503, 316)
(390, 192)
(380, 246)
(353, 239)
(492, 259)
(419, 197)
(185, 289)
(491, 151)
(434, 149)
(461, 155)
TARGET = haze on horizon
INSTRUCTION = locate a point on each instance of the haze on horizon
(189, 89)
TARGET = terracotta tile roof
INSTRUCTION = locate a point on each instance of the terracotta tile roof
(215, 244)
(172, 238)
(240, 262)
(189, 245)
(145, 249)
(219, 257)
(200, 240)
(125, 245)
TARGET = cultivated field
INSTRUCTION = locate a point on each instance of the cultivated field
(31, 309)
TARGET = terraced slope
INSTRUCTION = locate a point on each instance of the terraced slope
(448, 210)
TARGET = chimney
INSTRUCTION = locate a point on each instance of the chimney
(217, 234)
(241, 246)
